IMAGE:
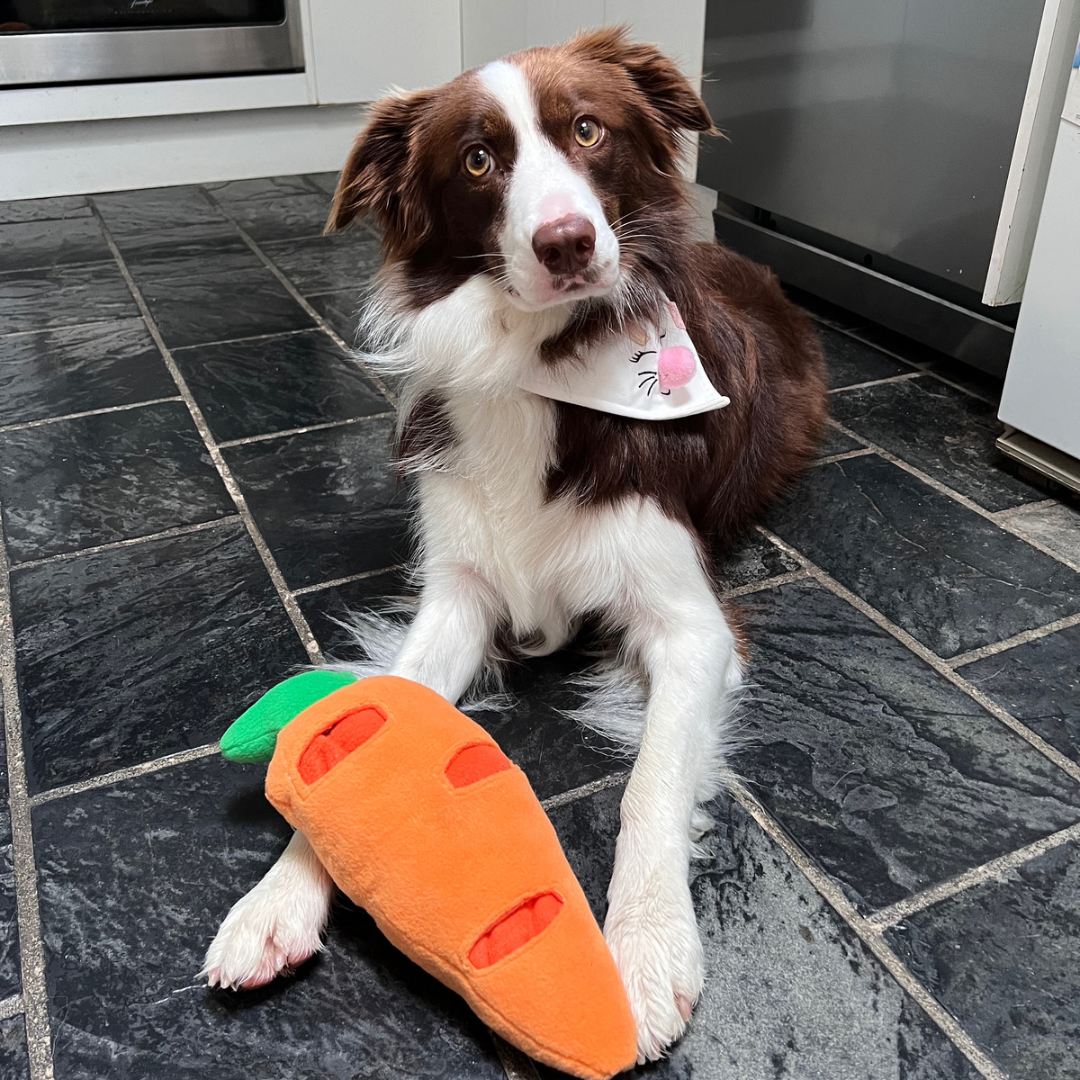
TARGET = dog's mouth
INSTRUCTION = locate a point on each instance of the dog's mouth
(561, 289)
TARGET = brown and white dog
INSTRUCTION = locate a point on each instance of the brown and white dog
(530, 210)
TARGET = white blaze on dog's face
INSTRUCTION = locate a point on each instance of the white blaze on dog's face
(555, 241)
(553, 172)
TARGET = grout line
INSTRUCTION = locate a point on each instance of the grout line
(89, 412)
(165, 534)
(878, 382)
(291, 607)
(1017, 639)
(944, 489)
(846, 456)
(515, 1064)
(248, 337)
(1008, 526)
(35, 996)
(869, 934)
(978, 875)
(11, 1006)
(302, 430)
(1014, 511)
(312, 313)
(306, 589)
(929, 657)
(762, 586)
(127, 773)
(583, 792)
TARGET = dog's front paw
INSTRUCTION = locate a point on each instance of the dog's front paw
(263, 935)
(652, 933)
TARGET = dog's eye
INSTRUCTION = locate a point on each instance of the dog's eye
(478, 161)
(587, 131)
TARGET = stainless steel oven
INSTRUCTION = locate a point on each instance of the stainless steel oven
(46, 42)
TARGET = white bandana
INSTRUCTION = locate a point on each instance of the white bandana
(647, 374)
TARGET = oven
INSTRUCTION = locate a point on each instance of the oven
(49, 42)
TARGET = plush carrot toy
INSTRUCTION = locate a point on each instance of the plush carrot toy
(423, 821)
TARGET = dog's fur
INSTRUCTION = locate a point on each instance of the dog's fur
(534, 513)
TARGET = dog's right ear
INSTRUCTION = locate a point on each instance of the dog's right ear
(378, 177)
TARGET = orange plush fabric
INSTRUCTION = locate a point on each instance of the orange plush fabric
(422, 820)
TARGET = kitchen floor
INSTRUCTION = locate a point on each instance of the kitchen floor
(195, 484)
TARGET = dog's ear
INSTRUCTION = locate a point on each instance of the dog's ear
(665, 86)
(379, 177)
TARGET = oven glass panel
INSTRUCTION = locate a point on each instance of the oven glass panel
(44, 15)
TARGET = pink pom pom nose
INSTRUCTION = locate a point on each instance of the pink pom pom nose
(675, 367)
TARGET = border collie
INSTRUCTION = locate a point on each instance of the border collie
(534, 224)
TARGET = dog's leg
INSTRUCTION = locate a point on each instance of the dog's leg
(689, 653)
(279, 924)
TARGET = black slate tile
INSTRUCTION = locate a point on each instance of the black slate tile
(135, 879)
(789, 990)
(946, 433)
(97, 479)
(1039, 683)
(344, 261)
(130, 654)
(1056, 528)
(28, 244)
(274, 207)
(75, 369)
(753, 560)
(850, 361)
(276, 384)
(153, 217)
(341, 310)
(10, 972)
(952, 579)
(836, 442)
(183, 255)
(56, 209)
(14, 1063)
(63, 296)
(527, 719)
(327, 502)
(971, 379)
(327, 181)
(193, 306)
(1004, 959)
(887, 774)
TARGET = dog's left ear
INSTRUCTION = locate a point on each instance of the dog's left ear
(665, 86)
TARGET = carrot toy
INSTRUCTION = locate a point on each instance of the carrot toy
(422, 820)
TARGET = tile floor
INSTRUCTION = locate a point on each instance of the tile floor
(194, 482)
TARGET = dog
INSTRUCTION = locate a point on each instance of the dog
(533, 218)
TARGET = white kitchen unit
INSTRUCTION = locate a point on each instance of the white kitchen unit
(1041, 401)
(73, 138)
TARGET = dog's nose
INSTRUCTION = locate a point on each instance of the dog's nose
(565, 246)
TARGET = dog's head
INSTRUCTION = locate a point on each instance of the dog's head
(555, 171)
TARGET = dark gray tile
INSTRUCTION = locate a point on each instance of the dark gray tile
(183, 255)
(952, 579)
(327, 181)
(344, 261)
(850, 361)
(971, 379)
(75, 369)
(134, 882)
(1004, 959)
(1056, 528)
(341, 310)
(14, 1063)
(836, 442)
(327, 502)
(753, 560)
(10, 972)
(97, 479)
(944, 432)
(887, 774)
(527, 719)
(193, 306)
(28, 244)
(1039, 683)
(64, 296)
(789, 990)
(65, 206)
(274, 207)
(130, 654)
(156, 217)
(276, 384)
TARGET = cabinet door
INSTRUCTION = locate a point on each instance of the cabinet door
(1032, 152)
(363, 47)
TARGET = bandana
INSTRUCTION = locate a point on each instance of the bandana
(647, 374)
